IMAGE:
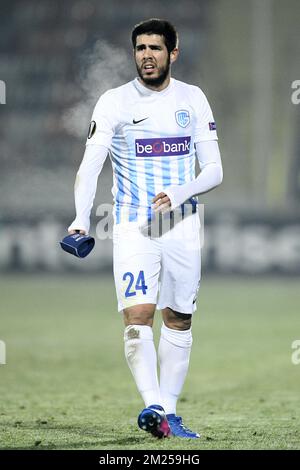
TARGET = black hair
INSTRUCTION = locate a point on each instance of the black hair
(156, 26)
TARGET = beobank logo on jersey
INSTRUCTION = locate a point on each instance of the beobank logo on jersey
(162, 147)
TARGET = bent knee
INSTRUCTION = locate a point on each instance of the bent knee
(176, 320)
(139, 315)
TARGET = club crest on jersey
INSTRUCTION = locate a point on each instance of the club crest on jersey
(182, 118)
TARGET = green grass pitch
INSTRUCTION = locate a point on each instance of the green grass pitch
(66, 384)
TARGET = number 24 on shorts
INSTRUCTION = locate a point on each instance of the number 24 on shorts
(139, 285)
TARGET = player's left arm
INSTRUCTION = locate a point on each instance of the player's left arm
(211, 176)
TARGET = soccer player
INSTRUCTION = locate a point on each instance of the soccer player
(152, 128)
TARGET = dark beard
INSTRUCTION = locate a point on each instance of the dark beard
(156, 82)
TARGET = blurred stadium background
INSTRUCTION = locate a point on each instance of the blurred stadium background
(55, 59)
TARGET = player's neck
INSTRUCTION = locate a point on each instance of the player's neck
(161, 87)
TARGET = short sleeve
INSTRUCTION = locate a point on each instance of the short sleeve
(104, 121)
(206, 128)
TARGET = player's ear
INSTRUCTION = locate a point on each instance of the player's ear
(174, 54)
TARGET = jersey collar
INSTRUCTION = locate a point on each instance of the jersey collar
(147, 92)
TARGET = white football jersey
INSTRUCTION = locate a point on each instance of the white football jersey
(151, 136)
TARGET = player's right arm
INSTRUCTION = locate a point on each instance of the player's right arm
(102, 128)
(86, 185)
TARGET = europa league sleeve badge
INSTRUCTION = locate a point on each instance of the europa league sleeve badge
(92, 129)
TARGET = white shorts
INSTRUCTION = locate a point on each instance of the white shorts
(162, 270)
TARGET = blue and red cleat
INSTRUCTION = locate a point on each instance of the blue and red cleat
(153, 419)
(178, 429)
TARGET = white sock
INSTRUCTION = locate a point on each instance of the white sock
(174, 354)
(141, 358)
